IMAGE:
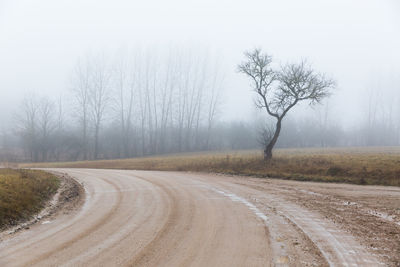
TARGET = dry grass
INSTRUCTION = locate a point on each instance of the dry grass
(377, 165)
(23, 193)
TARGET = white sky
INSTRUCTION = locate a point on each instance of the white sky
(353, 41)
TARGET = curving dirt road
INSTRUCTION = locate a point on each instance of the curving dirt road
(139, 218)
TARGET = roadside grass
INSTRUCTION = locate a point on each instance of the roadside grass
(369, 166)
(24, 193)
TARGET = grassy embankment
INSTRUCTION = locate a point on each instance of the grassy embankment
(23, 193)
(380, 166)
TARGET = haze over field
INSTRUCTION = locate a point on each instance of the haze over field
(354, 42)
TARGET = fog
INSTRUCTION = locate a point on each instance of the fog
(354, 42)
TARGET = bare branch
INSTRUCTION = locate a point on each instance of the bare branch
(279, 91)
(257, 67)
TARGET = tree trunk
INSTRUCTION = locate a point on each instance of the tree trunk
(271, 144)
(267, 153)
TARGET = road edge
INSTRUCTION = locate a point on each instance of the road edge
(70, 197)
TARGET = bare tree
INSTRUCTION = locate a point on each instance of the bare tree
(46, 126)
(27, 126)
(80, 90)
(59, 146)
(213, 102)
(99, 98)
(91, 88)
(166, 97)
(125, 89)
(265, 135)
(323, 116)
(279, 91)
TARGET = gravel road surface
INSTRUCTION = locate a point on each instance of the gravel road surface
(148, 218)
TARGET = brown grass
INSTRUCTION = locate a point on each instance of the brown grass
(380, 166)
(23, 193)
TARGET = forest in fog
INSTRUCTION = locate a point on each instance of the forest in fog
(85, 80)
(148, 104)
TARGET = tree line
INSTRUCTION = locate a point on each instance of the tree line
(137, 105)
(148, 103)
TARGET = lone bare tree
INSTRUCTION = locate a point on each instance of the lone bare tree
(278, 91)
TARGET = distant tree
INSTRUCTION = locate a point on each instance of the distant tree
(46, 125)
(81, 82)
(124, 83)
(91, 89)
(27, 126)
(99, 98)
(59, 134)
(278, 91)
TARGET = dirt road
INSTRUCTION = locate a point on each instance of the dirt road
(140, 218)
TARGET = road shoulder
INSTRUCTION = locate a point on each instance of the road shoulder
(69, 197)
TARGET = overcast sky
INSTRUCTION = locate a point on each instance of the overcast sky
(357, 42)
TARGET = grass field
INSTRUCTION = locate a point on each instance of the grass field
(23, 193)
(378, 165)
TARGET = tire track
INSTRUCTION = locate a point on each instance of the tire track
(87, 232)
(139, 218)
(337, 247)
(150, 248)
